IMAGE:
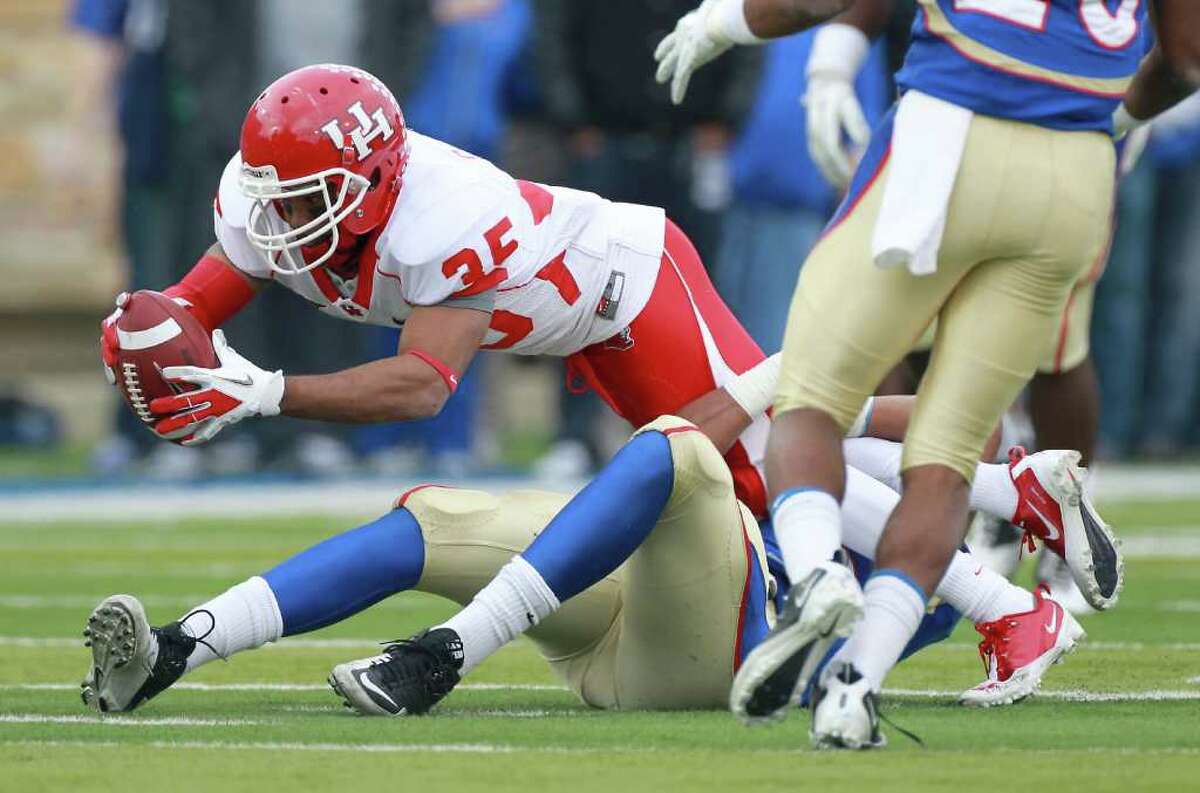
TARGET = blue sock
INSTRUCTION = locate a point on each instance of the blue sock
(343, 575)
(606, 522)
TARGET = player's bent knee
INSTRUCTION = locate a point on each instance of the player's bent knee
(694, 459)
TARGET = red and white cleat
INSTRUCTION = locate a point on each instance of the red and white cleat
(1052, 506)
(1017, 649)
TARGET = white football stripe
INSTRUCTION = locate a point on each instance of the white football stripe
(133, 340)
(280, 687)
(323, 644)
(125, 721)
(1156, 695)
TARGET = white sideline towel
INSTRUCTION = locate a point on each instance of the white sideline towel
(928, 138)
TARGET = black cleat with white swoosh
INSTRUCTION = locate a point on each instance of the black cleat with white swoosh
(407, 679)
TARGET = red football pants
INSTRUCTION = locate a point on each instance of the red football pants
(684, 343)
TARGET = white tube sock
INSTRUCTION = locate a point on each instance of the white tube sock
(808, 528)
(993, 491)
(981, 594)
(513, 602)
(243, 617)
(894, 608)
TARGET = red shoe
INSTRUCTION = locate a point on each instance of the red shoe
(1017, 649)
(1051, 506)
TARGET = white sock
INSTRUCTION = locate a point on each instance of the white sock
(892, 613)
(241, 618)
(808, 527)
(513, 602)
(875, 457)
(981, 594)
(993, 491)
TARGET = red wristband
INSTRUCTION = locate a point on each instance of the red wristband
(449, 376)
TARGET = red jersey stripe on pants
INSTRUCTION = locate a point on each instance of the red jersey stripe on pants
(683, 344)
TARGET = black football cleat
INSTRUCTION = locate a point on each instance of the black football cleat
(409, 678)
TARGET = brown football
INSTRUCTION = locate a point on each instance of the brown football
(154, 332)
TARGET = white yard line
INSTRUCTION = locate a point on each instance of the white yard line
(280, 687)
(124, 721)
(1153, 695)
(324, 644)
(179, 602)
(370, 496)
(1156, 695)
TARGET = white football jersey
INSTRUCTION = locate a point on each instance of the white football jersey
(569, 268)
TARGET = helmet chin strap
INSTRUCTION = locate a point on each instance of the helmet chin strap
(346, 254)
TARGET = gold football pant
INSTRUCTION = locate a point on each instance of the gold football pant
(1029, 214)
(661, 631)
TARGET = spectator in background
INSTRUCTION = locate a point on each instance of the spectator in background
(127, 78)
(627, 142)
(780, 200)
(461, 98)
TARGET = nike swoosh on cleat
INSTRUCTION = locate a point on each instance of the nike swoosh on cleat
(369, 685)
(1050, 527)
(1053, 624)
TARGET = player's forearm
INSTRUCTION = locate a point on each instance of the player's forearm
(869, 16)
(889, 416)
(770, 19)
(1177, 27)
(1160, 84)
(402, 388)
(214, 290)
(718, 417)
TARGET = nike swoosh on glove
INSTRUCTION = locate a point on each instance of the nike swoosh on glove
(236, 390)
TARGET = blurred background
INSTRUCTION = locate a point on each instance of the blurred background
(117, 116)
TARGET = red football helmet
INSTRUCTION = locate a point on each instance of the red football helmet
(328, 138)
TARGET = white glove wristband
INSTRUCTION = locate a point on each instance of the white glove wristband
(272, 395)
(754, 390)
(727, 20)
(838, 50)
(863, 421)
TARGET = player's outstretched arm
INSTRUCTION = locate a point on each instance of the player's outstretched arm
(716, 25)
(1171, 72)
(436, 346)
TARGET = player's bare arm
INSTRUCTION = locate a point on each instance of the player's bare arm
(437, 344)
(1171, 72)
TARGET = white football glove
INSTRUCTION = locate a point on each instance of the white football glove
(236, 390)
(700, 36)
(831, 102)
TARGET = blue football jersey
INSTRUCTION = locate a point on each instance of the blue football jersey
(1063, 64)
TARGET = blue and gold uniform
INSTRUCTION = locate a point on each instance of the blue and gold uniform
(1063, 64)
(1027, 217)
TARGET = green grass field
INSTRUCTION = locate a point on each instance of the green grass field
(1122, 714)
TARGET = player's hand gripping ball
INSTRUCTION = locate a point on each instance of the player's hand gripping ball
(147, 333)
